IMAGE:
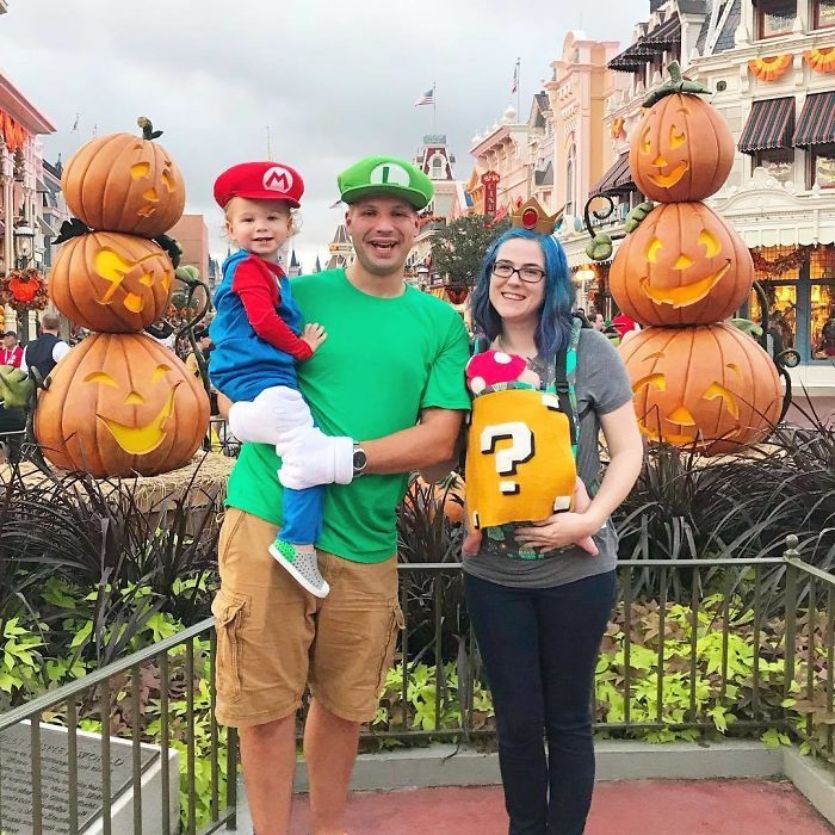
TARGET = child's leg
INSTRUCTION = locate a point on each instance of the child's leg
(273, 411)
(294, 547)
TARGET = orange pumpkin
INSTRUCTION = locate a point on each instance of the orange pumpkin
(684, 265)
(120, 404)
(107, 281)
(124, 183)
(711, 387)
(449, 496)
(682, 150)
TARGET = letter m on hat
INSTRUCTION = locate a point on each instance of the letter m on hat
(278, 179)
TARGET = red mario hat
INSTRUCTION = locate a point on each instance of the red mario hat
(259, 181)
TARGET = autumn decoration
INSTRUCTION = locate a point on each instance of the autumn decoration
(119, 403)
(682, 149)
(681, 271)
(23, 290)
(822, 59)
(771, 68)
(125, 183)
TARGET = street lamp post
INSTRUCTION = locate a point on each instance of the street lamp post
(583, 277)
(24, 238)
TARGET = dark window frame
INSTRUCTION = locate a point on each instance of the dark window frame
(760, 20)
(816, 4)
(812, 153)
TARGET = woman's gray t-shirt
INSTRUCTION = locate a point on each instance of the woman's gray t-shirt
(602, 385)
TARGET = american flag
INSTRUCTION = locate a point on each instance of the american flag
(515, 85)
(427, 98)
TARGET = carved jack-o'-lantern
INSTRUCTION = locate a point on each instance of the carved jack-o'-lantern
(710, 387)
(522, 468)
(120, 404)
(682, 149)
(684, 265)
(111, 282)
(125, 183)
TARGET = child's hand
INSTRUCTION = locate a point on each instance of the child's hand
(314, 335)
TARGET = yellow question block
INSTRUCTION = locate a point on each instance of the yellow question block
(520, 466)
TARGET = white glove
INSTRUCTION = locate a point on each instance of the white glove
(275, 417)
(313, 458)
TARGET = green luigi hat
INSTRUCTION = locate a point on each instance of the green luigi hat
(385, 176)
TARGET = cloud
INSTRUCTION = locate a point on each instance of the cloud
(332, 80)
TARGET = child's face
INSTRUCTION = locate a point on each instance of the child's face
(258, 226)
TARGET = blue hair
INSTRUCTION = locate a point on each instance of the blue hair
(554, 328)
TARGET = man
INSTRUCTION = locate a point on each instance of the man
(47, 350)
(12, 353)
(390, 377)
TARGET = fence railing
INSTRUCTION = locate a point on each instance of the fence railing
(693, 646)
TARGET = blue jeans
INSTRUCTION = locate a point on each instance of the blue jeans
(540, 649)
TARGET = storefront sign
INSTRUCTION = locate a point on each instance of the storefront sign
(14, 134)
(490, 180)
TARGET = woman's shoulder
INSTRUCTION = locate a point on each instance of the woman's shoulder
(595, 341)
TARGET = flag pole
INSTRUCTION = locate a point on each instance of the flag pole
(518, 90)
(269, 145)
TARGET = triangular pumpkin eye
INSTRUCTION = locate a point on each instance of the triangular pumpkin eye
(653, 249)
(729, 398)
(710, 243)
(101, 377)
(658, 381)
(677, 138)
(646, 142)
(159, 372)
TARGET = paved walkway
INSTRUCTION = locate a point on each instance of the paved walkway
(644, 807)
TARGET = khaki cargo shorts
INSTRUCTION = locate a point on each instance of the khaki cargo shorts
(274, 638)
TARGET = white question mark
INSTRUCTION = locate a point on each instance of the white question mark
(521, 450)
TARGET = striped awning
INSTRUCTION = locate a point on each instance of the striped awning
(617, 180)
(816, 125)
(770, 125)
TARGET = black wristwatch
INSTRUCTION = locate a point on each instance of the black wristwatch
(360, 460)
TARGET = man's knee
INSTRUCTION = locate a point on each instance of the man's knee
(268, 732)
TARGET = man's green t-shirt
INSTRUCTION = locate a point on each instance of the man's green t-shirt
(384, 360)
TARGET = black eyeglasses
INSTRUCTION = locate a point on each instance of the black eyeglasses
(530, 275)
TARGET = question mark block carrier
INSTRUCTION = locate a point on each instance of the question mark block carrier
(520, 465)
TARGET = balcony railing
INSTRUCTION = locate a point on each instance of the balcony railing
(693, 646)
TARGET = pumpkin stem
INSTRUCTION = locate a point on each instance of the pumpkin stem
(675, 72)
(676, 84)
(148, 132)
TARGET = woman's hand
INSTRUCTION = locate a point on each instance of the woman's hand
(558, 531)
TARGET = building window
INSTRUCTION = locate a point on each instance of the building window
(570, 190)
(824, 13)
(436, 171)
(822, 166)
(775, 17)
(778, 162)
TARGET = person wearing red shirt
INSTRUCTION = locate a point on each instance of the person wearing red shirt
(12, 353)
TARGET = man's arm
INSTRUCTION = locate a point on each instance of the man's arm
(428, 445)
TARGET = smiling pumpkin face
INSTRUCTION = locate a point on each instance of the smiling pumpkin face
(111, 282)
(712, 387)
(120, 404)
(681, 150)
(684, 265)
(124, 183)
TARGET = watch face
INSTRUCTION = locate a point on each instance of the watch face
(360, 460)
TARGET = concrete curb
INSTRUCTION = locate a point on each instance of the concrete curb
(451, 765)
(812, 780)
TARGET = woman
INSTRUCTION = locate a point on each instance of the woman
(539, 605)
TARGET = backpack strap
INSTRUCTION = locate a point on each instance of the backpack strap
(565, 380)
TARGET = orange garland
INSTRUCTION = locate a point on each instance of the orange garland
(772, 68)
(821, 60)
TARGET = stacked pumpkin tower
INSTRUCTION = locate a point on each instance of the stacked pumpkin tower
(698, 382)
(119, 403)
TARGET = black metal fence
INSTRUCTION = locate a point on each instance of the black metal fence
(743, 647)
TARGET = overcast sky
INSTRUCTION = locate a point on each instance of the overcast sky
(333, 79)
